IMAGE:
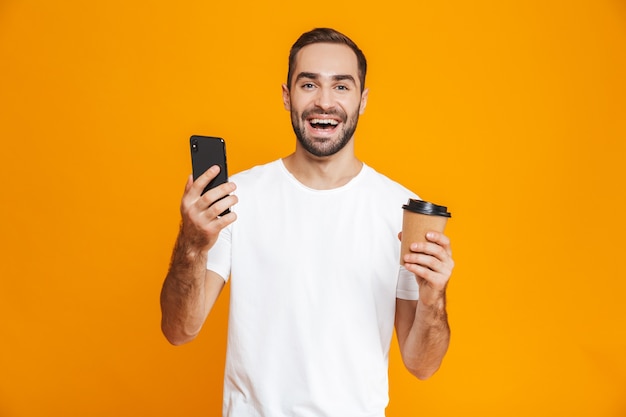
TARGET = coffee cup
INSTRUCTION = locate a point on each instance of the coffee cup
(419, 218)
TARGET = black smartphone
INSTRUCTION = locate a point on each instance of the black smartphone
(207, 151)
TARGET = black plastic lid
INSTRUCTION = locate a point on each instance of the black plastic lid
(424, 207)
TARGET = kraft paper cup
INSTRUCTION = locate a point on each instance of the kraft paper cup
(419, 218)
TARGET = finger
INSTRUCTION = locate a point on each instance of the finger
(429, 248)
(437, 237)
(189, 197)
(440, 239)
(434, 278)
(209, 198)
(203, 180)
(221, 205)
(189, 183)
(221, 222)
(427, 261)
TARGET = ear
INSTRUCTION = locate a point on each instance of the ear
(364, 95)
(286, 97)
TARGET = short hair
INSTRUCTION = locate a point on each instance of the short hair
(326, 35)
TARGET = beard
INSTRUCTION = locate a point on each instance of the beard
(324, 146)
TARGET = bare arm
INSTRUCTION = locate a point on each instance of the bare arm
(422, 326)
(190, 290)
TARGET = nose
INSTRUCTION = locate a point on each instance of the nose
(324, 98)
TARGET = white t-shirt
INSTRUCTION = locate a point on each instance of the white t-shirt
(315, 276)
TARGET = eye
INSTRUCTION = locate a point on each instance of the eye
(342, 87)
(308, 86)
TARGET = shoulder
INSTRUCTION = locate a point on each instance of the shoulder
(383, 184)
(257, 173)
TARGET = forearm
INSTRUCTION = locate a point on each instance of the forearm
(428, 339)
(422, 326)
(190, 290)
(183, 300)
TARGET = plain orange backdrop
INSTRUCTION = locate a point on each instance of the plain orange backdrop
(513, 114)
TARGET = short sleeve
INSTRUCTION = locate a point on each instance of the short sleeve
(219, 257)
(407, 288)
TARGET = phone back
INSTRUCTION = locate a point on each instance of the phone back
(207, 151)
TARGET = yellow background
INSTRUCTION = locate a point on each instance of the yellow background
(513, 114)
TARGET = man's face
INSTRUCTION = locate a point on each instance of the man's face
(325, 98)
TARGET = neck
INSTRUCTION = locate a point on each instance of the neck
(323, 173)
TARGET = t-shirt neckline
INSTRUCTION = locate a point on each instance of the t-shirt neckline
(347, 185)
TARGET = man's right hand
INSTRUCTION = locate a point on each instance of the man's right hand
(190, 290)
(201, 225)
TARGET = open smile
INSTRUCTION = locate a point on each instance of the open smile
(323, 123)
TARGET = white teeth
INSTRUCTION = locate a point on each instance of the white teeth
(325, 122)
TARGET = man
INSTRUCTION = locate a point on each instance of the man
(312, 247)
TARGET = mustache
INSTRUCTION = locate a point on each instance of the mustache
(317, 111)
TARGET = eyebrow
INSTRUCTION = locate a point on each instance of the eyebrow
(314, 76)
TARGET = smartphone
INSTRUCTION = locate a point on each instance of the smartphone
(207, 151)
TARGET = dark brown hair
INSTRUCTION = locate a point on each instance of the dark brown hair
(326, 35)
